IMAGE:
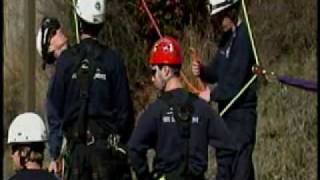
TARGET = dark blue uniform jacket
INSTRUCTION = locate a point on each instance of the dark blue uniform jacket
(158, 130)
(231, 70)
(109, 99)
(29, 174)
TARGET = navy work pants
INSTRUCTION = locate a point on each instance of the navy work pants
(96, 162)
(242, 124)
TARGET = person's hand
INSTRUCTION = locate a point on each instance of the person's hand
(196, 68)
(205, 94)
(55, 167)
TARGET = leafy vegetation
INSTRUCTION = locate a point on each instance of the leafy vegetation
(285, 36)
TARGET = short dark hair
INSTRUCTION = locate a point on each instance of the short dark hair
(33, 152)
(176, 68)
(88, 28)
(232, 12)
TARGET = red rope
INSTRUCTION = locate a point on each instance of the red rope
(155, 25)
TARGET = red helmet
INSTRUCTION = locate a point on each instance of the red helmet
(166, 51)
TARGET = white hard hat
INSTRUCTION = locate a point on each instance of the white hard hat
(216, 6)
(47, 28)
(39, 42)
(27, 128)
(91, 11)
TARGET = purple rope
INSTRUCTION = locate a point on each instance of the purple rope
(308, 85)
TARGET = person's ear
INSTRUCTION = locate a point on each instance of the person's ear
(166, 71)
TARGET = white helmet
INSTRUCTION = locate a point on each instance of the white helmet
(27, 128)
(47, 30)
(216, 6)
(91, 11)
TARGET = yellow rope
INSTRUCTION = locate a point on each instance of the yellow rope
(238, 95)
(75, 21)
(255, 57)
(250, 32)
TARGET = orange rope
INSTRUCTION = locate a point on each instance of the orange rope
(155, 25)
(189, 85)
(195, 57)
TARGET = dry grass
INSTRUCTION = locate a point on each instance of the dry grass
(287, 130)
(285, 37)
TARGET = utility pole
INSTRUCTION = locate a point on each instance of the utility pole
(29, 59)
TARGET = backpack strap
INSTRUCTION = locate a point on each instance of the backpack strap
(182, 112)
(84, 69)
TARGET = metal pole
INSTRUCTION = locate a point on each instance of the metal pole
(29, 59)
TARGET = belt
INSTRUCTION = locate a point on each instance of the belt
(112, 141)
(89, 138)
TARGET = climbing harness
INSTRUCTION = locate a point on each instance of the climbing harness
(182, 113)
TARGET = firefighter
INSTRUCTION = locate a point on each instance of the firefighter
(51, 41)
(27, 136)
(91, 104)
(230, 69)
(178, 125)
